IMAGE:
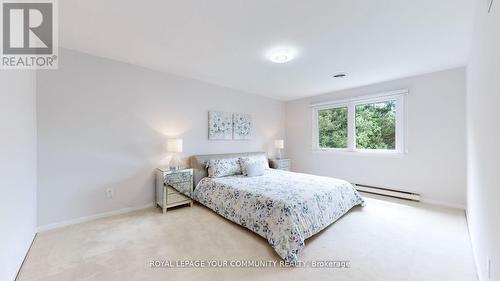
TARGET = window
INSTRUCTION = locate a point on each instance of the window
(333, 127)
(376, 125)
(367, 124)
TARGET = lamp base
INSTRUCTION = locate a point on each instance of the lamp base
(174, 163)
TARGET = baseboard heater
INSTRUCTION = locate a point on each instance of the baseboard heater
(387, 192)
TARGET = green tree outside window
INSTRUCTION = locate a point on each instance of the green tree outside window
(333, 127)
(376, 125)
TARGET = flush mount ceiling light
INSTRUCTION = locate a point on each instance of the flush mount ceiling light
(339, 75)
(281, 55)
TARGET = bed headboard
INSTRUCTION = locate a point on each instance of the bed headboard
(199, 162)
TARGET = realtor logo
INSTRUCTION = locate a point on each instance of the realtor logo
(29, 35)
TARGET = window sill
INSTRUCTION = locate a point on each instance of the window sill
(370, 153)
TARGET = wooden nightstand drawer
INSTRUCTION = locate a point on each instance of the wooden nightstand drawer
(178, 177)
(284, 168)
(183, 187)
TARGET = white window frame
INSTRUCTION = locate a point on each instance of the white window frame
(401, 122)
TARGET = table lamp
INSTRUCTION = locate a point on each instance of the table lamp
(279, 144)
(174, 146)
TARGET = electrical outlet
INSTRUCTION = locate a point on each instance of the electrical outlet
(110, 192)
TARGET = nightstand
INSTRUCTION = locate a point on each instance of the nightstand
(280, 164)
(173, 188)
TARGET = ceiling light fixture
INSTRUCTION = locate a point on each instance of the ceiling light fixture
(281, 56)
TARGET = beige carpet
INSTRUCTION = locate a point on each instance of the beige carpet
(386, 240)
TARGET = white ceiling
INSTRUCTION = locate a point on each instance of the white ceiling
(225, 41)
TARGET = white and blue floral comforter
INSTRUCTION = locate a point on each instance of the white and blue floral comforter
(284, 207)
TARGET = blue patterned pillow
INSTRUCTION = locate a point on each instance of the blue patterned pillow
(223, 167)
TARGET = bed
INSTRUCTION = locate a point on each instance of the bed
(283, 207)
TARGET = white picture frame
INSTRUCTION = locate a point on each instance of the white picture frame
(220, 125)
(242, 126)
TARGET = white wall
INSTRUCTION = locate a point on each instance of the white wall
(17, 169)
(483, 117)
(435, 163)
(103, 123)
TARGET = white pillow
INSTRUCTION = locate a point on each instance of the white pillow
(223, 167)
(259, 160)
(253, 169)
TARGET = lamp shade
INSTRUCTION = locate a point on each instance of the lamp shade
(280, 144)
(174, 145)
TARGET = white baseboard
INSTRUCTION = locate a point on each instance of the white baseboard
(92, 217)
(442, 203)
